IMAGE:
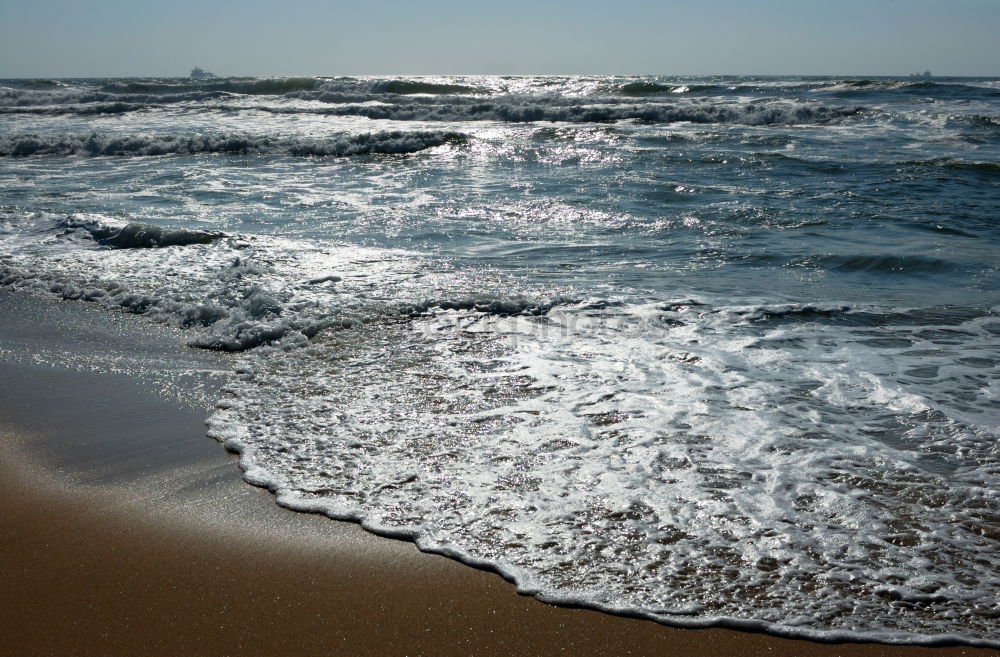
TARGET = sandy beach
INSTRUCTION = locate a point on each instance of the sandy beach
(127, 531)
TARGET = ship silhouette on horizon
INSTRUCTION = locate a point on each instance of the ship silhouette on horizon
(198, 73)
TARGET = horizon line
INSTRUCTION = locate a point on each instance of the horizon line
(335, 75)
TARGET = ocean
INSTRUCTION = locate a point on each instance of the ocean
(711, 351)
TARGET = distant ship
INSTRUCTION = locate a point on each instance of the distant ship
(925, 74)
(200, 74)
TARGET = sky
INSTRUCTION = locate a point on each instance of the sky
(138, 38)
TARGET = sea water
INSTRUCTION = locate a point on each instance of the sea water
(716, 351)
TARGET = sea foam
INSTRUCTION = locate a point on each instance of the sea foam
(690, 461)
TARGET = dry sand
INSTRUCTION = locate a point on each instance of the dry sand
(126, 532)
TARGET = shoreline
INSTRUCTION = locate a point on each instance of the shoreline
(127, 530)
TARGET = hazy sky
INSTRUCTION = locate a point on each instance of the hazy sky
(81, 38)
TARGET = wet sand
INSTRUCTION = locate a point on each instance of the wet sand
(126, 531)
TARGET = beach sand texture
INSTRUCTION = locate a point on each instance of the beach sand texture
(126, 531)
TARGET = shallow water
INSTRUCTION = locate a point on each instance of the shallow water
(714, 351)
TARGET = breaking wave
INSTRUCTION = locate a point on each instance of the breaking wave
(647, 88)
(141, 236)
(245, 86)
(524, 111)
(227, 295)
(894, 87)
(19, 98)
(642, 88)
(93, 109)
(406, 87)
(392, 142)
(516, 111)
